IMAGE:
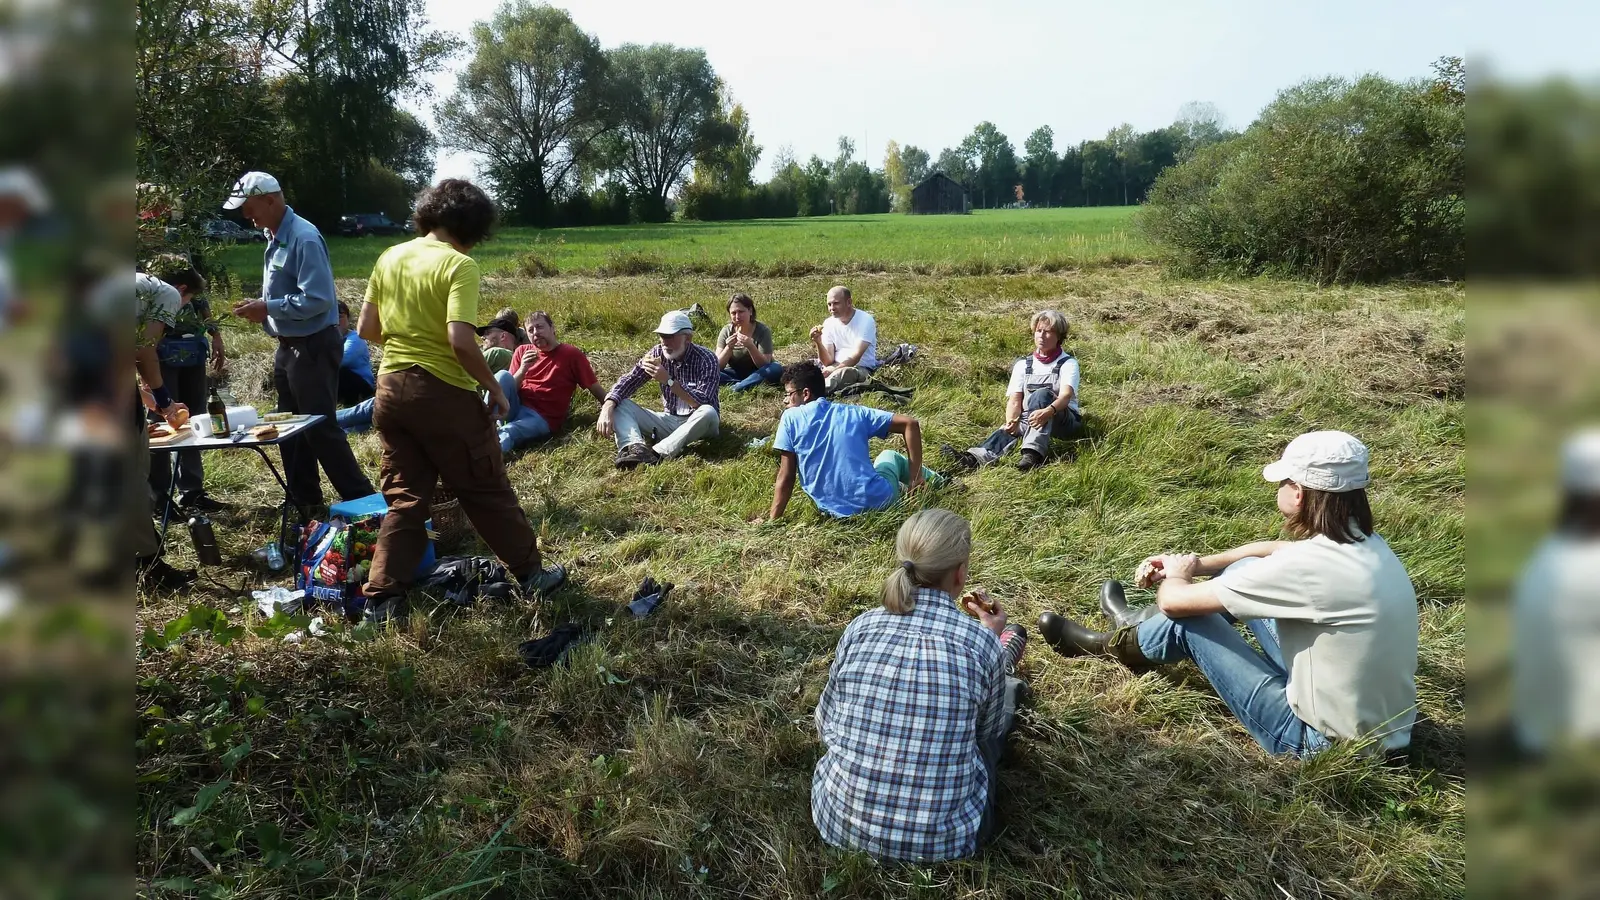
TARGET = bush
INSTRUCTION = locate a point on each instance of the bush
(1336, 181)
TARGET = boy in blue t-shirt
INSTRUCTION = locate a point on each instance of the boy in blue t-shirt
(355, 367)
(826, 444)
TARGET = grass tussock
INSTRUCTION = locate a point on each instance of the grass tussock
(672, 756)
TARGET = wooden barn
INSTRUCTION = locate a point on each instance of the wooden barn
(938, 193)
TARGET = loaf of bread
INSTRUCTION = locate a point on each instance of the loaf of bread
(264, 432)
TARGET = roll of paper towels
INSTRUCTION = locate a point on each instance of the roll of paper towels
(238, 417)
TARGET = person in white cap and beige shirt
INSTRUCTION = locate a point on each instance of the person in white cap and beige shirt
(1334, 612)
(690, 378)
(1555, 616)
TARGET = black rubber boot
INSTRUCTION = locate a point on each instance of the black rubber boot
(1113, 602)
(1068, 638)
(1122, 645)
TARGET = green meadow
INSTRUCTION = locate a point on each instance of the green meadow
(979, 243)
(672, 757)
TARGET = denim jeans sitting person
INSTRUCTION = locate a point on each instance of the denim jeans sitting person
(744, 348)
(1334, 612)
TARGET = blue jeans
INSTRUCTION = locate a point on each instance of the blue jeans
(1252, 683)
(766, 373)
(356, 418)
(522, 425)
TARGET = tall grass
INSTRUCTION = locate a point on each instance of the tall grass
(672, 756)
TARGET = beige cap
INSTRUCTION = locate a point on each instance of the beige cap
(1322, 460)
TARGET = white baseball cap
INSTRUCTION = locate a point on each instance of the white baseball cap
(249, 185)
(1322, 460)
(18, 182)
(1580, 462)
(674, 322)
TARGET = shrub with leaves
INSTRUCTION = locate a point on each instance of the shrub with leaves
(1337, 181)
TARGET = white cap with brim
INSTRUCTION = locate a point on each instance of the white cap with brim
(674, 322)
(1580, 462)
(1330, 461)
(249, 185)
(19, 183)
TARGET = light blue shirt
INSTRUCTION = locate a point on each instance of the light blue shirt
(356, 357)
(297, 280)
(830, 440)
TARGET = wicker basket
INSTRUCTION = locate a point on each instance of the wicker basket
(450, 524)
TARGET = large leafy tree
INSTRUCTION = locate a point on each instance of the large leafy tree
(339, 68)
(916, 162)
(1039, 164)
(995, 161)
(530, 102)
(665, 101)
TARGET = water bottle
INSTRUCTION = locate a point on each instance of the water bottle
(204, 538)
(274, 556)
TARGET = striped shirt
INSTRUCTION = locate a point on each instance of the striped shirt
(696, 371)
(908, 701)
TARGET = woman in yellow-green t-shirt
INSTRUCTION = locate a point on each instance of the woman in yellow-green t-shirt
(422, 306)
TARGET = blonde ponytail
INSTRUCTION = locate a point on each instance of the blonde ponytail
(931, 544)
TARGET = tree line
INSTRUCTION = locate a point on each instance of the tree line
(567, 132)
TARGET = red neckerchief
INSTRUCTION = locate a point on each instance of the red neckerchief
(1048, 359)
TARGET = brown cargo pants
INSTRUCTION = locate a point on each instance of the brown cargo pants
(431, 431)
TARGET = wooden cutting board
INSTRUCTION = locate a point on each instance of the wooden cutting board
(177, 437)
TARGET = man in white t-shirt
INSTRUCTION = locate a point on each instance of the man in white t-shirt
(1335, 614)
(847, 343)
(1041, 400)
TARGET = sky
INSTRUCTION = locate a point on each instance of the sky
(926, 72)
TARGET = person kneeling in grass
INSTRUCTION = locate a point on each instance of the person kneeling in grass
(422, 300)
(544, 375)
(1041, 400)
(920, 698)
(826, 444)
(1335, 614)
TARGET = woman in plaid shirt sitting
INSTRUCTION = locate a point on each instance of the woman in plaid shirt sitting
(917, 707)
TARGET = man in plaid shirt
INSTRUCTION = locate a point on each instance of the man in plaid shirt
(690, 378)
(914, 715)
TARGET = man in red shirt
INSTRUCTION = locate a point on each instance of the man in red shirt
(543, 376)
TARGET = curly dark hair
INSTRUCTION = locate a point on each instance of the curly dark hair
(803, 376)
(459, 207)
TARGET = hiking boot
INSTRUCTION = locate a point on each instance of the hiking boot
(157, 574)
(1068, 638)
(201, 503)
(965, 460)
(1031, 459)
(1013, 643)
(381, 611)
(649, 457)
(541, 584)
(629, 457)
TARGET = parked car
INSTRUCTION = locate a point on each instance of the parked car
(228, 231)
(363, 224)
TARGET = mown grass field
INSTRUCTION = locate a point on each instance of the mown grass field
(983, 242)
(673, 757)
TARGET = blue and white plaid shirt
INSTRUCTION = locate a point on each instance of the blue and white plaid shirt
(908, 701)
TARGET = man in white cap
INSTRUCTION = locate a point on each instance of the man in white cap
(1334, 612)
(690, 379)
(1555, 662)
(300, 308)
